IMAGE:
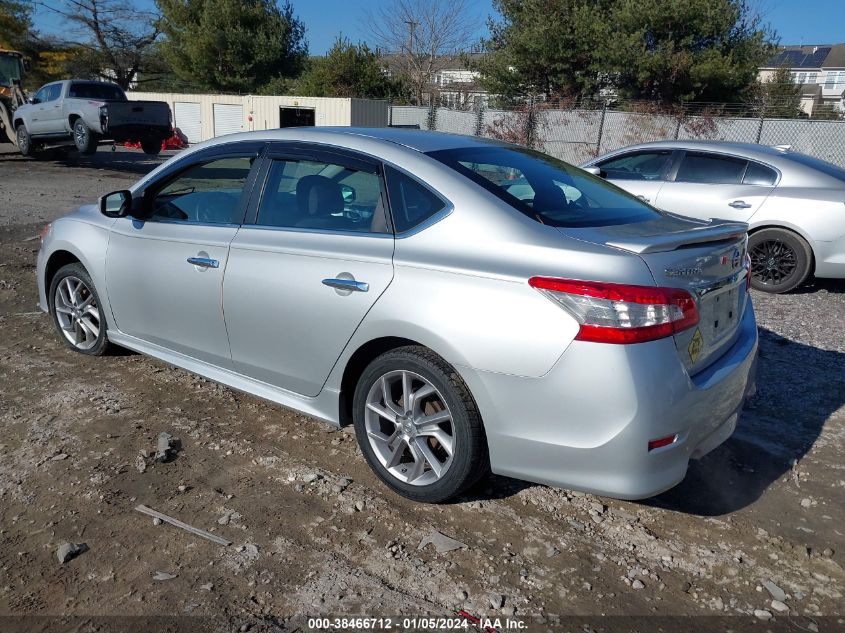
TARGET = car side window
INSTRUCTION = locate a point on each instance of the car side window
(54, 92)
(711, 169)
(308, 194)
(638, 166)
(758, 174)
(41, 95)
(411, 202)
(207, 193)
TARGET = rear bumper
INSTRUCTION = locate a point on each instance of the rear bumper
(587, 423)
(121, 133)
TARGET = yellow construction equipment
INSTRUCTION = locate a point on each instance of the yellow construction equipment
(11, 93)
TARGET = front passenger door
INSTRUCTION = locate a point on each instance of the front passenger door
(641, 173)
(164, 272)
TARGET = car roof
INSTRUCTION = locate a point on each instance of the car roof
(746, 150)
(419, 140)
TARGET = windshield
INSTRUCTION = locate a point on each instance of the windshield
(100, 92)
(816, 163)
(10, 68)
(546, 189)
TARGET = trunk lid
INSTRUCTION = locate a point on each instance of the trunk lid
(704, 257)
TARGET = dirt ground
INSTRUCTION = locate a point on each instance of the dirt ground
(760, 519)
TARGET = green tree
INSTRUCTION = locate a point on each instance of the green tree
(541, 47)
(232, 45)
(671, 50)
(780, 96)
(15, 23)
(663, 50)
(827, 112)
(347, 70)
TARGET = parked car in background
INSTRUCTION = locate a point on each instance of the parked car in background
(86, 113)
(387, 278)
(794, 203)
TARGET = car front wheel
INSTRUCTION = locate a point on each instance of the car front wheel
(418, 425)
(75, 308)
(25, 145)
(780, 260)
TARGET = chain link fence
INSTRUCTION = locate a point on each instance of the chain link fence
(579, 134)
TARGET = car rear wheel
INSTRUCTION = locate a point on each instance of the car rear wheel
(75, 308)
(780, 260)
(418, 425)
(151, 146)
(84, 139)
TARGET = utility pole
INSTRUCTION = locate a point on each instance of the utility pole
(412, 27)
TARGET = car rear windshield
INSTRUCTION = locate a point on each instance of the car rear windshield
(99, 92)
(544, 188)
(816, 163)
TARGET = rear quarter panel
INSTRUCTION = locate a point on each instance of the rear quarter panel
(816, 215)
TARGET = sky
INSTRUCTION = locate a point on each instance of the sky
(807, 21)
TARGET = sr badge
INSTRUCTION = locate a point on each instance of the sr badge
(694, 348)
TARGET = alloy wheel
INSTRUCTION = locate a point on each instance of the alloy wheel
(77, 313)
(80, 133)
(23, 140)
(772, 262)
(409, 427)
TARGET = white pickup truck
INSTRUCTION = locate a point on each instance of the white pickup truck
(85, 113)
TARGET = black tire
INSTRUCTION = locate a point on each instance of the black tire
(84, 138)
(25, 145)
(77, 271)
(470, 460)
(151, 147)
(780, 260)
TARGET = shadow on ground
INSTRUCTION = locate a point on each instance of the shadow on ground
(799, 389)
(123, 160)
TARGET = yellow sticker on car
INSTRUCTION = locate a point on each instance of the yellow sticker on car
(695, 344)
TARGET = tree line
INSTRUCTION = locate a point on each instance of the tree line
(661, 51)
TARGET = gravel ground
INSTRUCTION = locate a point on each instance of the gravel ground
(755, 531)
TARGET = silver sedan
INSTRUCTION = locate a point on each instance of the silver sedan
(794, 203)
(469, 306)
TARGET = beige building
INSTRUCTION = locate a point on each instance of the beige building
(204, 116)
(819, 69)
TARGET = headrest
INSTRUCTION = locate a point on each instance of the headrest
(318, 196)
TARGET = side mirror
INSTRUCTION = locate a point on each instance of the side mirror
(595, 171)
(116, 204)
(32, 100)
(348, 193)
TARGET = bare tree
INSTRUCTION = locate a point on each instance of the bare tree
(415, 34)
(116, 38)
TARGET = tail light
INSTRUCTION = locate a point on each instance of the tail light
(621, 313)
(44, 231)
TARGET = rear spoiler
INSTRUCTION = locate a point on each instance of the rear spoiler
(714, 231)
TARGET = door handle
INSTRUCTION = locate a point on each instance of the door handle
(739, 204)
(643, 198)
(347, 284)
(204, 262)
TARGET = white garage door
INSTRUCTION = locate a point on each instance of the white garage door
(228, 119)
(186, 116)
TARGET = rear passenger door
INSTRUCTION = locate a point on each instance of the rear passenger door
(314, 255)
(709, 185)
